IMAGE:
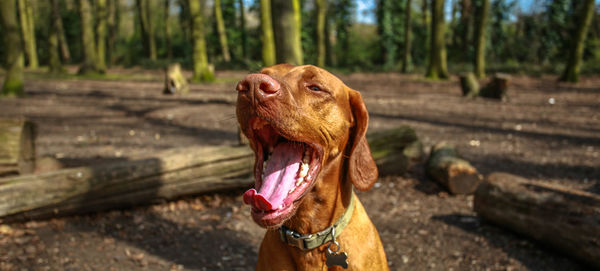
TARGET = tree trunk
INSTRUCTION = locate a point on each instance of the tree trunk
(101, 22)
(144, 13)
(321, 34)
(28, 32)
(387, 34)
(584, 18)
(113, 27)
(268, 41)
(406, 59)
(566, 219)
(62, 40)
(480, 29)
(437, 50)
(13, 50)
(164, 175)
(447, 168)
(287, 31)
(17, 146)
(243, 29)
(469, 85)
(168, 30)
(54, 63)
(222, 31)
(202, 71)
(466, 18)
(89, 64)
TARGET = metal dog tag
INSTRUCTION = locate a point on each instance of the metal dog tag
(339, 259)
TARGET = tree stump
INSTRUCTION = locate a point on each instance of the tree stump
(566, 219)
(17, 146)
(447, 168)
(175, 82)
(469, 85)
(496, 88)
(396, 150)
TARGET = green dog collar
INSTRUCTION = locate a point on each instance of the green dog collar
(315, 240)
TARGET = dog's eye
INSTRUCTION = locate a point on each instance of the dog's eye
(314, 88)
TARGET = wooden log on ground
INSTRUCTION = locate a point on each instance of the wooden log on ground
(17, 146)
(497, 87)
(165, 175)
(175, 82)
(447, 168)
(469, 85)
(395, 151)
(566, 219)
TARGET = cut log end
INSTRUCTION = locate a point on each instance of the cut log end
(447, 168)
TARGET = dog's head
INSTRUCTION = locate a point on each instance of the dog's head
(297, 119)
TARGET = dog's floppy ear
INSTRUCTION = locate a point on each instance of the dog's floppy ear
(362, 170)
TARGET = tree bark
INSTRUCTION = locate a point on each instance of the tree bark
(168, 30)
(321, 34)
(466, 19)
(17, 146)
(164, 175)
(244, 33)
(286, 14)
(113, 27)
(447, 168)
(62, 40)
(28, 32)
(566, 219)
(387, 34)
(406, 59)
(89, 64)
(222, 31)
(584, 18)
(54, 63)
(437, 50)
(144, 13)
(480, 39)
(13, 50)
(469, 85)
(268, 40)
(101, 22)
(202, 71)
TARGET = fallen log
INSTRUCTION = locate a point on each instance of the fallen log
(566, 219)
(447, 168)
(496, 88)
(17, 146)
(469, 85)
(395, 151)
(165, 175)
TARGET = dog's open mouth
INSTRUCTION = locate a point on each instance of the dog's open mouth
(285, 171)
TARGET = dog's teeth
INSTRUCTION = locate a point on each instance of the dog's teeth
(306, 157)
(303, 170)
(292, 190)
(281, 206)
(299, 181)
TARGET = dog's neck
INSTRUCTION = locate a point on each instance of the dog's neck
(327, 201)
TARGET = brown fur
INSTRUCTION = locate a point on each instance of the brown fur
(336, 118)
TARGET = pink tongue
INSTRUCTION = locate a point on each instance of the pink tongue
(280, 177)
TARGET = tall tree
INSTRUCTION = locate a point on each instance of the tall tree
(584, 19)
(406, 59)
(243, 29)
(288, 44)
(113, 29)
(89, 64)
(54, 63)
(480, 39)
(13, 82)
(62, 40)
(386, 31)
(222, 31)
(321, 34)
(146, 22)
(464, 28)
(167, 29)
(28, 32)
(343, 22)
(267, 37)
(437, 50)
(101, 22)
(202, 71)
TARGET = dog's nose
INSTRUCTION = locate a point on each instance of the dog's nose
(259, 82)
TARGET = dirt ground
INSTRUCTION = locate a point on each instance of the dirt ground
(545, 131)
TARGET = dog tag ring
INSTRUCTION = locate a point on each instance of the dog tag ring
(334, 257)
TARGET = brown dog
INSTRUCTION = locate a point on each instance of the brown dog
(307, 130)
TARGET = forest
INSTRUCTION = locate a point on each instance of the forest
(434, 37)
